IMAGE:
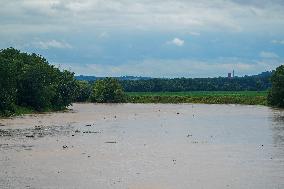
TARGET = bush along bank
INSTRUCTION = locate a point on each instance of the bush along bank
(28, 83)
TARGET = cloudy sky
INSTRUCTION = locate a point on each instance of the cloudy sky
(157, 38)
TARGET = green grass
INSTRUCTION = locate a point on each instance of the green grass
(20, 110)
(206, 97)
(201, 93)
(17, 110)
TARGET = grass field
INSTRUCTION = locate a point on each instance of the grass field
(206, 97)
(201, 93)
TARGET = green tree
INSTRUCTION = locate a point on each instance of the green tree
(84, 91)
(8, 88)
(108, 90)
(276, 94)
(65, 90)
(35, 87)
(28, 80)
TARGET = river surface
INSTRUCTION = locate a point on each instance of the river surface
(145, 146)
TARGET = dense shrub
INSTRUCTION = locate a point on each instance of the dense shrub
(276, 94)
(107, 90)
(8, 88)
(84, 91)
(28, 80)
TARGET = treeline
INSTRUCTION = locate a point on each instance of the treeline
(248, 83)
(94, 78)
(28, 81)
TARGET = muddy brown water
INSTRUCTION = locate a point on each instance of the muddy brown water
(145, 146)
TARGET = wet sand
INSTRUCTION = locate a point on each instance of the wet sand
(145, 146)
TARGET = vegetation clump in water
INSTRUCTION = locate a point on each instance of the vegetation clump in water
(107, 90)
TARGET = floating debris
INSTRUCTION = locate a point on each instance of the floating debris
(5, 133)
(36, 131)
(65, 146)
(38, 127)
(91, 132)
(30, 136)
(111, 142)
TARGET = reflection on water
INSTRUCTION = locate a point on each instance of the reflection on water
(277, 127)
(279, 118)
(145, 146)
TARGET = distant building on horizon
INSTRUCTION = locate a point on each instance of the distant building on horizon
(229, 75)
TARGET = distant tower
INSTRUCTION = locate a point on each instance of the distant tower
(233, 73)
(229, 75)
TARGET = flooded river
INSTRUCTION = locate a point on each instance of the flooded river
(145, 146)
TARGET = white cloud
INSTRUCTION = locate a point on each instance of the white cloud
(194, 33)
(103, 35)
(154, 15)
(265, 54)
(176, 41)
(52, 44)
(22, 20)
(281, 42)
